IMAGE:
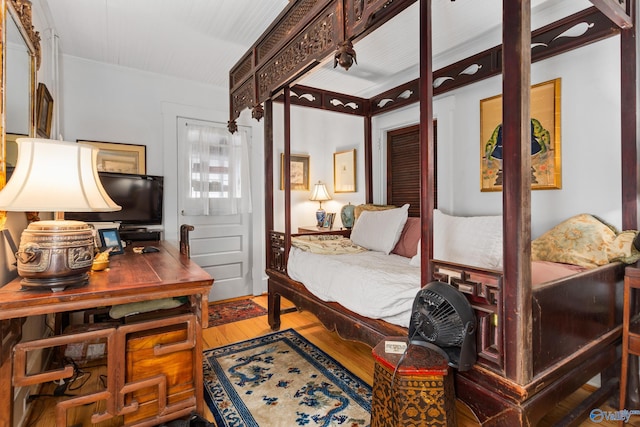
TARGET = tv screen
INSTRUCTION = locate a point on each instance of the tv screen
(139, 195)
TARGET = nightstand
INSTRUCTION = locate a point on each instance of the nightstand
(306, 229)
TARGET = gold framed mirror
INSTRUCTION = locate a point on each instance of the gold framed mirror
(20, 62)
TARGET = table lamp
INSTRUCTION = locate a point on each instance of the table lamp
(320, 194)
(55, 176)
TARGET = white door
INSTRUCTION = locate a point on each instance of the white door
(214, 197)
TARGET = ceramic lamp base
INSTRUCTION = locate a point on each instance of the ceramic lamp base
(320, 215)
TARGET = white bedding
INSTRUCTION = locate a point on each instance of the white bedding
(371, 283)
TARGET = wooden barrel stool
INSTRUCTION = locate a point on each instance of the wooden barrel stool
(418, 392)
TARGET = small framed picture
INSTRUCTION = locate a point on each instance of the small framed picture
(44, 111)
(299, 170)
(110, 239)
(328, 220)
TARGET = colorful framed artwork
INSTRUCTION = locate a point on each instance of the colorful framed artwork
(110, 239)
(44, 111)
(118, 157)
(546, 160)
(344, 171)
(299, 172)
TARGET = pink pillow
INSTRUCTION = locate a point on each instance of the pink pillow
(407, 246)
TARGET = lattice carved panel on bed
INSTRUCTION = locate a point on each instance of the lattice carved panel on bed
(483, 289)
(277, 258)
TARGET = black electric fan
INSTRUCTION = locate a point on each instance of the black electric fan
(442, 319)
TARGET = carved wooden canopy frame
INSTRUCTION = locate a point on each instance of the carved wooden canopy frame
(309, 31)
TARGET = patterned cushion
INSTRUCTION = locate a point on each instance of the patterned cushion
(586, 241)
(326, 244)
(370, 207)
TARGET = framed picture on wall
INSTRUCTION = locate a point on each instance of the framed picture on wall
(44, 111)
(344, 171)
(119, 157)
(299, 172)
(545, 139)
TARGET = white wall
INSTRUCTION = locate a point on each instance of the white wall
(319, 134)
(116, 104)
(590, 145)
(590, 140)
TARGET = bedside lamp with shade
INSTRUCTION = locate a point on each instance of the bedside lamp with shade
(320, 194)
(55, 176)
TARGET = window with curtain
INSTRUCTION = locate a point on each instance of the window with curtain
(214, 176)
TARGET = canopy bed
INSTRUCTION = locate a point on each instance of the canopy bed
(536, 344)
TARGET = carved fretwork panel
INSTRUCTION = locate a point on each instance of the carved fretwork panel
(304, 96)
(299, 15)
(314, 43)
(362, 16)
(242, 98)
(483, 289)
(316, 98)
(345, 104)
(619, 11)
(576, 30)
(241, 71)
(147, 380)
(397, 97)
(277, 259)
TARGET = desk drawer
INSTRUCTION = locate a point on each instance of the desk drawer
(175, 368)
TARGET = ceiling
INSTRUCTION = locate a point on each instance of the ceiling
(201, 40)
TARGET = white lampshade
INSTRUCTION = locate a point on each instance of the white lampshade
(320, 193)
(55, 176)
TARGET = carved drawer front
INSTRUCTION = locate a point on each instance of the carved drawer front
(160, 372)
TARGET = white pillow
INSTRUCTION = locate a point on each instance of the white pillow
(415, 260)
(380, 230)
(473, 240)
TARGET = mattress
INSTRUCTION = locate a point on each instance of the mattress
(369, 283)
(377, 285)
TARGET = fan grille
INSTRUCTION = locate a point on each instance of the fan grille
(437, 320)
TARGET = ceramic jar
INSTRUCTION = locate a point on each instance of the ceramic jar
(347, 215)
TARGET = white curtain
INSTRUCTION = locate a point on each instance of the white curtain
(218, 181)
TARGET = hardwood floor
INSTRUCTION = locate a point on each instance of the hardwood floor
(354, 356)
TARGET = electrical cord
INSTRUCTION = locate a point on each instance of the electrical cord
(66, 384)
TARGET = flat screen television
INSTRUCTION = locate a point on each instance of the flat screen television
(139, 195)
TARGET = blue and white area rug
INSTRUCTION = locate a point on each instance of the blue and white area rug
(281, 379)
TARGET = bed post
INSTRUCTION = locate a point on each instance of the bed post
(516, 190)
(287, 172)
(629, 152)
(268, 177)
(426, 142)
(629, 125)
(368, 158)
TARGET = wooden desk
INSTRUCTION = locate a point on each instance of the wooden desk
(130, 278)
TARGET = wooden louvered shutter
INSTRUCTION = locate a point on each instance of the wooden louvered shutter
(403, 168)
